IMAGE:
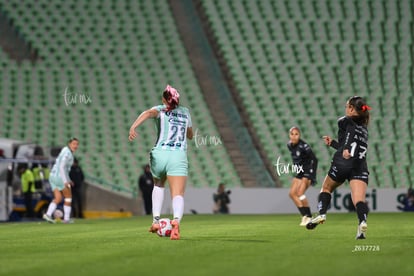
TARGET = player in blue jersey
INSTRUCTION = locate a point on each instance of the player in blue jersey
(305, 164)
(168, 157)
(60, 182)
(349, 163)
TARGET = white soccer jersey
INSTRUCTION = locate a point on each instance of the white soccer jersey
(172, 128)
(63, 164)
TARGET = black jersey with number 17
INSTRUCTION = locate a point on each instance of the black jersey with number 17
(354, 138)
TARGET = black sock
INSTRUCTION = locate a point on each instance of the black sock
(302, 211)
(307, 212)
(323, 203)
(362, 211)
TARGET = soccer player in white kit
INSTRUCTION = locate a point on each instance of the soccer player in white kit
(168, 157)
(61, 183)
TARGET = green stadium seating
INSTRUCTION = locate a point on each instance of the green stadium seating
(292, 62)
(119, 54)
(298, 61)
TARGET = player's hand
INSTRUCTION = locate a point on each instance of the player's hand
(346, 154)
(327, 140)
(132, 135)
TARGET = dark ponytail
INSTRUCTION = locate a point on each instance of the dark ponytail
(361, 107)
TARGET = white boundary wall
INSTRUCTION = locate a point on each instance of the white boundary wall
(277, 201)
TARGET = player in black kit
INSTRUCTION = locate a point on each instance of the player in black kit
(305, 164)
(348, 163)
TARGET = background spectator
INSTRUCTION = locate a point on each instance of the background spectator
(146, 185)
(221, 200)
(28, 188)
(77, 177)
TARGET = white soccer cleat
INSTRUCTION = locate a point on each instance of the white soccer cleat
(48, 219)
(362, 230)
(315, 222)
(305, 220)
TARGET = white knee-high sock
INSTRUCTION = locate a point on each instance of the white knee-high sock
(157, 200)
(178, 207)
(51, 208)
(66, 212)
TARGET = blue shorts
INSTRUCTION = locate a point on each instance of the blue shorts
(168, 162)
(56, 183)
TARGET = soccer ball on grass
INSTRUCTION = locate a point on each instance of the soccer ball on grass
(58, 214)
(165, 228)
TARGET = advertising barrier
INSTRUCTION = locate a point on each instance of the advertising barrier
(277, 201)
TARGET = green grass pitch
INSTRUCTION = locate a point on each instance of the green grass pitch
(211, 245)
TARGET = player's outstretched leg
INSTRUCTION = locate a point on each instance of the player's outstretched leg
(324, 200)
(362, 212)
(157, 201)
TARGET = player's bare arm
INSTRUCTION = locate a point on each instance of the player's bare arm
(190, 133)
(150, 113)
